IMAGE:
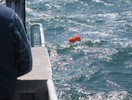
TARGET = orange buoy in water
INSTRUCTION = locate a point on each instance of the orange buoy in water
(77, 38)
(72, 40)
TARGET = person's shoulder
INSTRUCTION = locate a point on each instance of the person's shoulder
(4, 8)
(5, 11)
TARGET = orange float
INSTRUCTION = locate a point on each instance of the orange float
(77, 38)
(72, 40)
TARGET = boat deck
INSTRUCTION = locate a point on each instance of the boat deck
(41, 69)
(34, 85)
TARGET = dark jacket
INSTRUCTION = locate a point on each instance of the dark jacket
(8, 69)
(8, 63)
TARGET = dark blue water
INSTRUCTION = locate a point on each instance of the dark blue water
(99, 67)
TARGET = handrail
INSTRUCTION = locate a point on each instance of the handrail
(41, 34)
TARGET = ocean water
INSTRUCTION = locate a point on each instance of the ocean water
(99, 67)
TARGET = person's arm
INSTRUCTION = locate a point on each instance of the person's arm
(23, 49)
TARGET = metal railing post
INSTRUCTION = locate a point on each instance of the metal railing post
(41, 34)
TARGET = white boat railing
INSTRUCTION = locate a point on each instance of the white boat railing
(41, 34)
(52, 95)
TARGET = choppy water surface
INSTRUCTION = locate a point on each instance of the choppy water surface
(99, 67)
